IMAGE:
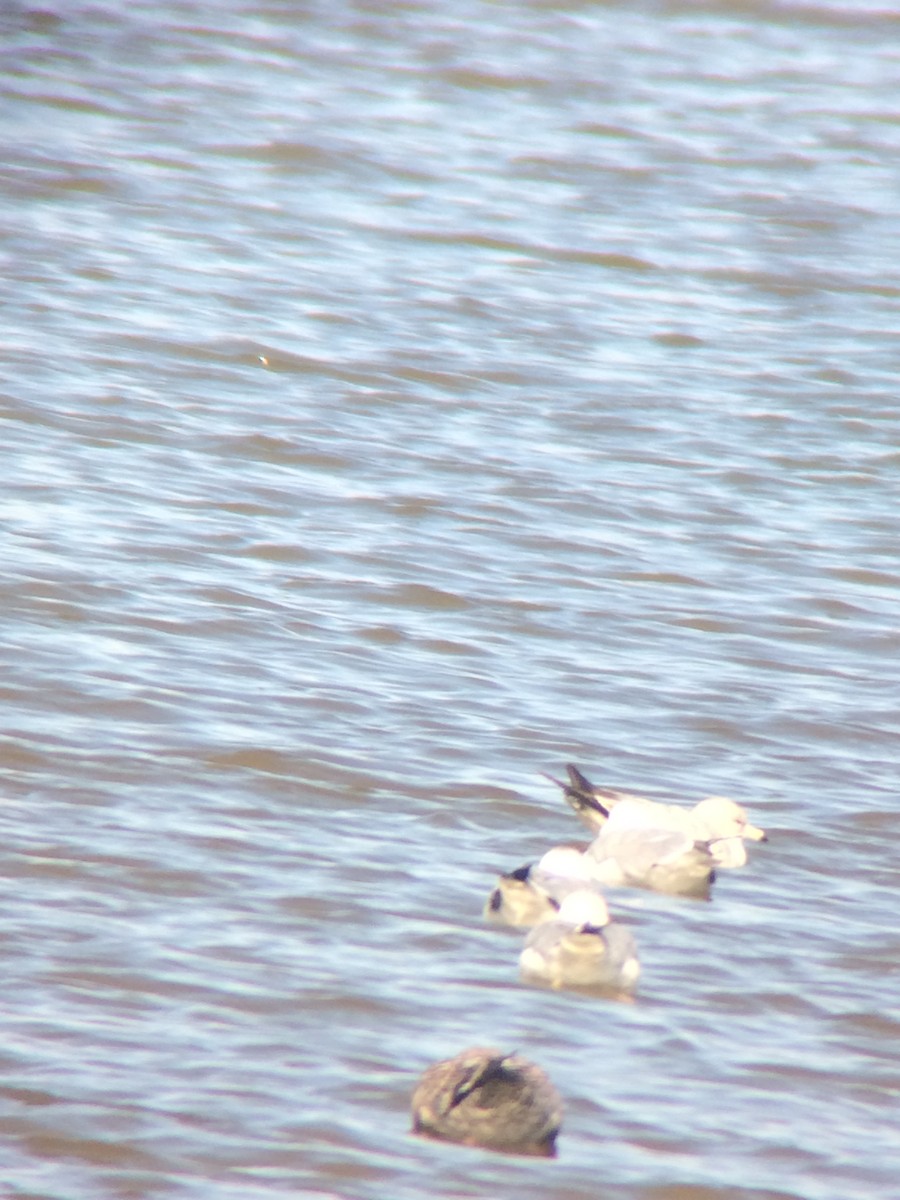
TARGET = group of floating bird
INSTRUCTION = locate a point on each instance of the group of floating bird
(502, 1101)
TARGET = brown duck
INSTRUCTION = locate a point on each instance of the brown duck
(483, 1097)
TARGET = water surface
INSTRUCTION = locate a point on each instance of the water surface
(401, 401)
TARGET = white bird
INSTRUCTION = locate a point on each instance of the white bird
(717, 820)
(533, 893)
(581, 948)
(483, 1097)
(662, 860)
(518, 899)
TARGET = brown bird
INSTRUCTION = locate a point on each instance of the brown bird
(483, 1097)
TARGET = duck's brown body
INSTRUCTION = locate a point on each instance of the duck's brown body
(483, 1097)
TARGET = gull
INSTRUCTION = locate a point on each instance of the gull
(718, 821)
(532, 894)
(581, 948)
(661, 860)
(519, 900)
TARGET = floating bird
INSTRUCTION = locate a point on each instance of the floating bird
(581, 947)
(661, 860)
(717, 820)
(533, 893)
(483, 1097)
(519, 900)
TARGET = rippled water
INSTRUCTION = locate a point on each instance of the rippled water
(401, 401)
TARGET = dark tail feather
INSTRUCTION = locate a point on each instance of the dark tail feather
(579, 781)
(579, 792)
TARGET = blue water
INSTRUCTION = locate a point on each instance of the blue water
(398, 405)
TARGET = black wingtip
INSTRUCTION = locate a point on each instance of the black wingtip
(581, 793)
(579, 780)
